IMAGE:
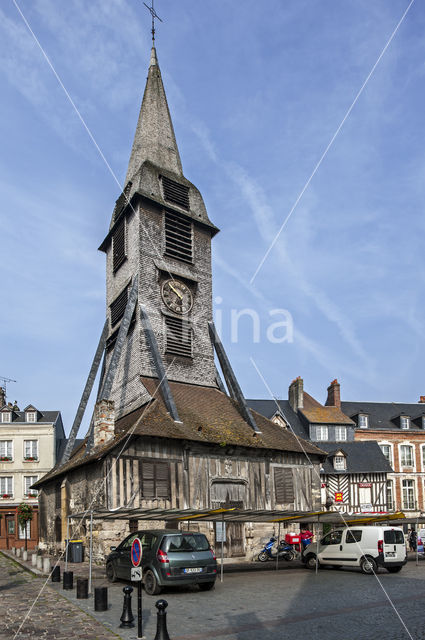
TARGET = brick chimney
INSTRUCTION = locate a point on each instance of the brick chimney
(2, 397)
(296, 394)
(421, 400)
(334, 394)
(104, 422)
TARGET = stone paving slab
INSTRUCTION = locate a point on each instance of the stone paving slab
(30, 611)
(280, 605)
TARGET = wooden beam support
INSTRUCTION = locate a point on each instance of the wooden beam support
(86, 395)
(164, 385)
(230, 378)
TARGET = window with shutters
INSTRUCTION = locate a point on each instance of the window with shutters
(179, 337)
(175, 192)
(283, 485)
(119, 254)
(155, 479)
(118, 307)
(178, 237)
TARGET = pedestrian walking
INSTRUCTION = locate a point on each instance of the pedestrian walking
(412, 540)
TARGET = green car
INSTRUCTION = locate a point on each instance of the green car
(169, 558)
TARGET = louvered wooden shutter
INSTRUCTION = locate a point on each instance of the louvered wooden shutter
(118, 245)
(148, 479)
(179, 337)
(175, 192)
(178, 237)
(283, 485)
(162, 472)
(155, 479)
(118, 307)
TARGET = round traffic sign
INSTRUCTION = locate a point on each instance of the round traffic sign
(136, 552)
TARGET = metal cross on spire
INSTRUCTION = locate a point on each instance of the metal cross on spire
(154, 16)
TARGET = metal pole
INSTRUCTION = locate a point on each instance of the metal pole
(417, 529)
(277, 552)
(317, 546)
(91, 551)
(139, 610)
(66, 543)
(222, 536)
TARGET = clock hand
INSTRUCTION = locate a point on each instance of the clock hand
(175, 291)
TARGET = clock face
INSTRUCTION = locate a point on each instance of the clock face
(177, 296)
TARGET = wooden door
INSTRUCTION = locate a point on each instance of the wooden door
(227, 494)
(11, 533)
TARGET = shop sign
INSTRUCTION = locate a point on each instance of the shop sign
(324, 485)
(365, 485)
(339, 496)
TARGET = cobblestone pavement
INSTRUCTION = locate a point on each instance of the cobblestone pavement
(52, 616)
(248, 605)
(283, 605)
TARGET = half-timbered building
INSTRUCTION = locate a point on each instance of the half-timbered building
(167, 430)
(355, 474)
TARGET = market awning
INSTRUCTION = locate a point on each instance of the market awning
(232, 514)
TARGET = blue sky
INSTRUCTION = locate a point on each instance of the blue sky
(256, 91)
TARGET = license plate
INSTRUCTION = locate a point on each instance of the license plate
(390, 554)
(193, 570)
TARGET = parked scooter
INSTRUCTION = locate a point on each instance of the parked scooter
(284, 551)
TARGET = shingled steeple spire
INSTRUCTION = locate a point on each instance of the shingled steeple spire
(154, 139)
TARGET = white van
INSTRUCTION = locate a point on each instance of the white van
(364, 547)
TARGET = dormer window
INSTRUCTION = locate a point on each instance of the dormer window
(339, 463)
(363, 421)
(321, 433)
(277, 419)
(340, 434)
(423, 422)
(30, 413)
(6, 416)
(404, 422)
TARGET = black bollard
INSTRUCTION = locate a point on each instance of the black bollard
(56, 574)
(83, 589)
(68, 580)
(161, 621)
(127, 615)
(101, 598)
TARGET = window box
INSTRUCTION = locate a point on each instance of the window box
(30, 459)
(5, 458)
(7, 495)
(30, 495)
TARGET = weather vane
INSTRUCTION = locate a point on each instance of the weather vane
(154, 15)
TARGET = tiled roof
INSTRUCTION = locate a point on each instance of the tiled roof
(270, 408)
(208, 416)
(319, 414)
(45, 417)
(359, 458)
(382, 415)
